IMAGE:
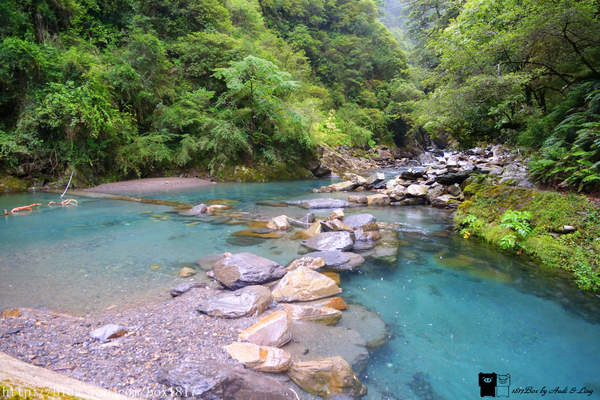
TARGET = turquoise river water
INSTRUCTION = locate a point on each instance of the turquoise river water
(454, 307)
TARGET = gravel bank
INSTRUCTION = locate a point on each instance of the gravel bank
(150, 185)
(159, 335)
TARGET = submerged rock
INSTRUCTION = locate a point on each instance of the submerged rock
(186, 272)
(250, 300)
(304, 284)
(327, 241)
(107, 332)
(260, 358)
(312, 340)
(339, 260)
(272, 330)
(369, 325)
(210, 380)
(243, 269)
(326, 377)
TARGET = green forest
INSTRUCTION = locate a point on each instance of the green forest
(130, 88)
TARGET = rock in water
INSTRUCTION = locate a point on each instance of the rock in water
(326, 241)
(260, 358)
(280, 223)
(312, 340)
(375, 178)
(320, 314)
(304, 284)
(368, 324)
(272, 330)
(326, 377)
(107, 332)
(379, 199)
(250, 300)
(358, 220)
(316, 204)
(339, 260)
(210, 380)
(243, 269)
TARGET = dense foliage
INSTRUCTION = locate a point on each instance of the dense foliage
(112, 88)
(519, 72)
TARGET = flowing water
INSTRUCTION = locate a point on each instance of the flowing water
(454, 308)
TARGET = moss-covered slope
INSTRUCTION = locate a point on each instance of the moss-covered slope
(546, 241)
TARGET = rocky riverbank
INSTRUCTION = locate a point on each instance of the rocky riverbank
(437, 178)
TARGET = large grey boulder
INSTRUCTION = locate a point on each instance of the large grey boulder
(355, 221)
(250, 300)
(315, 204)
(327, 241)
(244, 269)
(338, 260)
(210, 380)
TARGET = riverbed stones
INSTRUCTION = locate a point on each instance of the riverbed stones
(355, 221)
(379, 199)
(358, 199)
(197, 210)
(322, 203)
(339, 260)
(304, 284)
(272, 330)
(250, 300)
(326, 377)
(416, 190)
(107, 332)
(321, 314)
(210, 380)
(375, 178)
(445, 201)
(260, 358)
(243, 269)
(308, 262)
(280, 223)
(344, 186)
(336, 225)
(185, 287)
(328, 241)
(338, 213)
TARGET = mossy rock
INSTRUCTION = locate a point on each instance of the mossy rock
(10, 184)
(577, 253)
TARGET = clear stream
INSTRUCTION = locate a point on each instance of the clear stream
(454, 308)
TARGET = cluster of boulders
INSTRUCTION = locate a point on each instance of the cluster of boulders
(437, 182)
(299, 305)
